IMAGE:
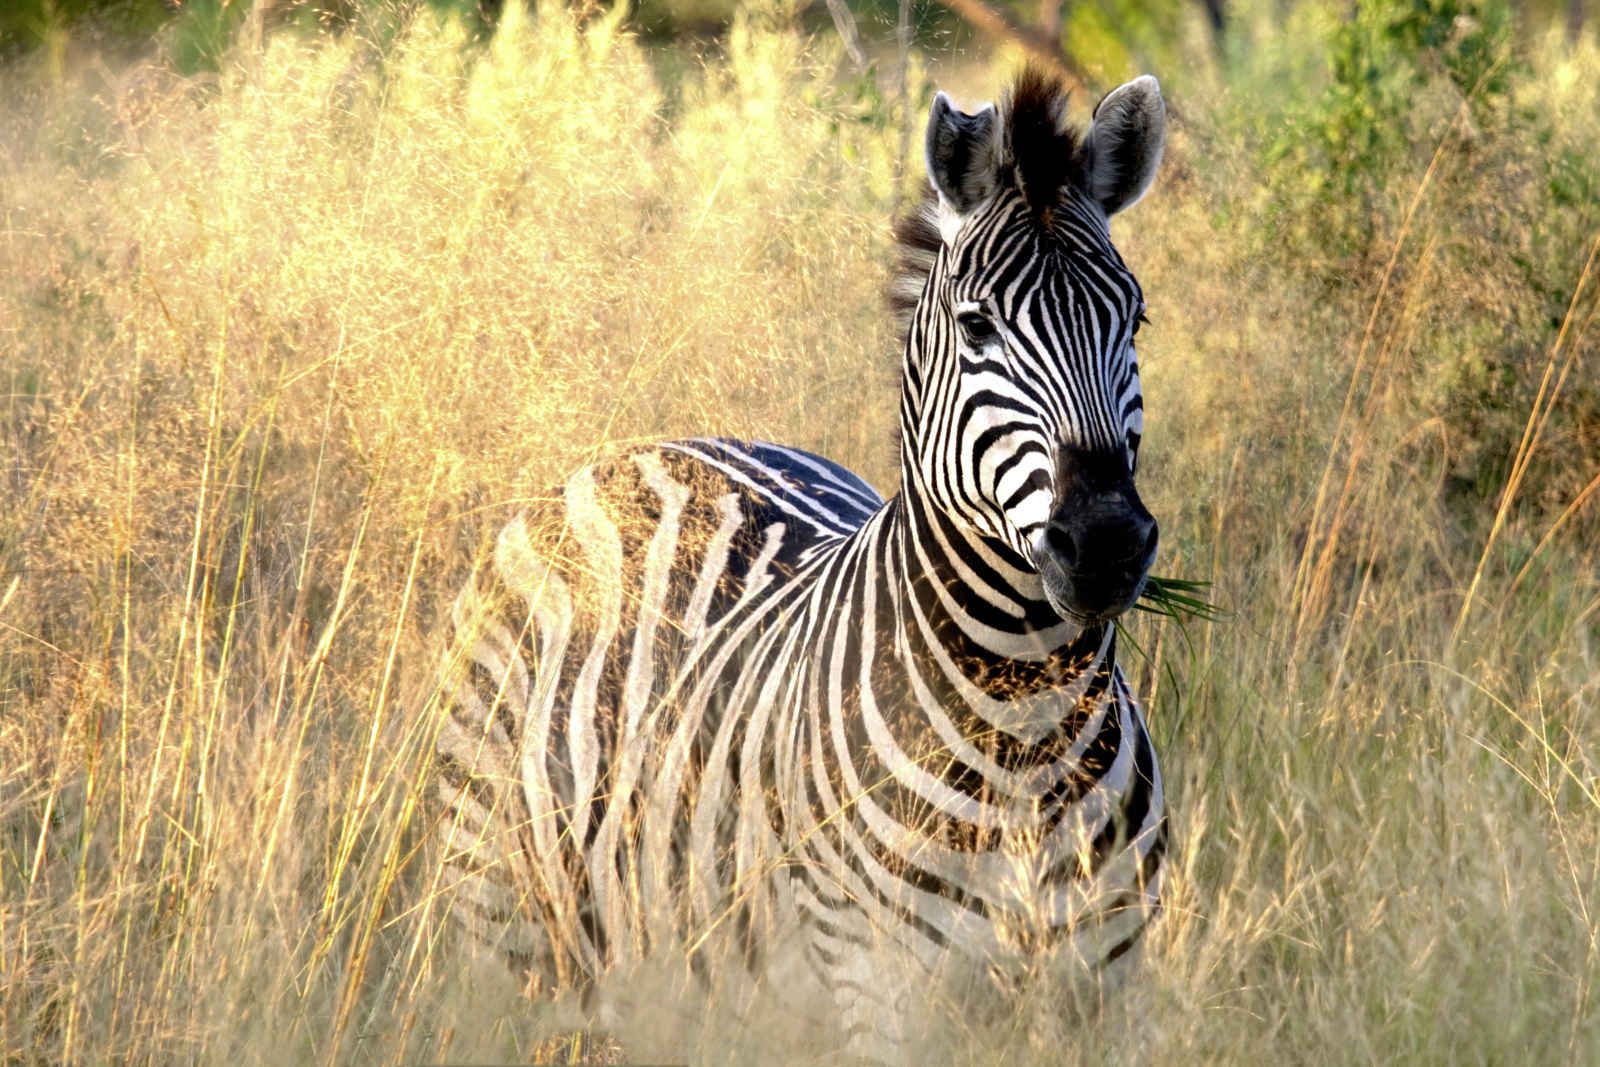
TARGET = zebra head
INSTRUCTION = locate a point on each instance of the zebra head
(1022, 408)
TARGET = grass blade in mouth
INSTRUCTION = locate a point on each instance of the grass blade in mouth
(1178, 598)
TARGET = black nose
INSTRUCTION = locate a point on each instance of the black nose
(1099, 544)
(1105, 535)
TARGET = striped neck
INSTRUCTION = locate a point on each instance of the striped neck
(970, 606)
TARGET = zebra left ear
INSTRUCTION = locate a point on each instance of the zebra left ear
(1123, 146)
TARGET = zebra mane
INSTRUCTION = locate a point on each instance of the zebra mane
(1041, 156)
(1042, 153)
(916, 241)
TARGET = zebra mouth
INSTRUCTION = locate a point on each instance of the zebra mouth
(1090, 595)
(1089, 603)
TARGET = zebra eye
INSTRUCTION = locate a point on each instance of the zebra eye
(1139, 320)
(976, 328)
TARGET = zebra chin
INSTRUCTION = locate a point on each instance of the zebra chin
(1090, 596)
(1089, 603)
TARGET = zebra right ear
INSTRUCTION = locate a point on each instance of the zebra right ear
(963, 154)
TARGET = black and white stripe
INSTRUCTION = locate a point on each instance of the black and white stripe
(721, 690)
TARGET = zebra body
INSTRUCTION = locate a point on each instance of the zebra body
(720, 690)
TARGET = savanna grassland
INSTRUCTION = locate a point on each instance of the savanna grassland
(281, 344)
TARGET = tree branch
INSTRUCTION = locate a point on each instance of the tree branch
(1046, 51)
(845, 23)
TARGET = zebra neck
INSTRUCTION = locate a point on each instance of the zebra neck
(973, 611)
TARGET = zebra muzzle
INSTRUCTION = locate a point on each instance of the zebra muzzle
(1096, 550)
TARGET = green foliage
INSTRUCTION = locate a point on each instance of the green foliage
(1394, 68)
(30, 24)
(1119, 39)
(196, 35)
(202, 33)
(1425, 168)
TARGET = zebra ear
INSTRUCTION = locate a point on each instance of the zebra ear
(1123, 146)
(963, 154)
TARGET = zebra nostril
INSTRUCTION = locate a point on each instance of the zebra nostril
(1063, 544)
(1097, 542)
(1147, 546)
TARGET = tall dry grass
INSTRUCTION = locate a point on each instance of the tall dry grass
(282, 346)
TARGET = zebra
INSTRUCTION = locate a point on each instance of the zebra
(722, 691)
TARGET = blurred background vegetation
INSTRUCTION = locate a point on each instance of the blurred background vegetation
(298, 299)
(1333, 105)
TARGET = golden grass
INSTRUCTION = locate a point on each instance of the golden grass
(282, 347)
